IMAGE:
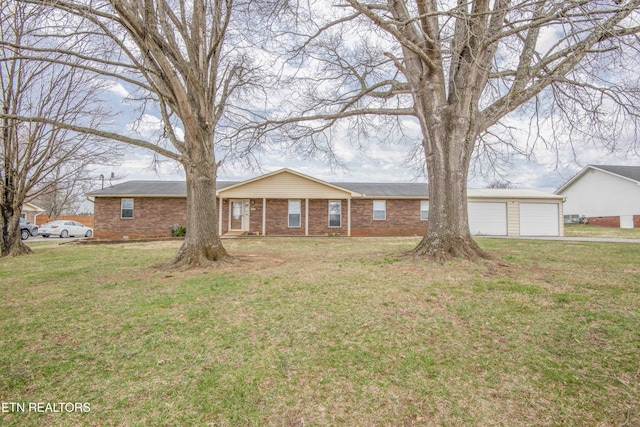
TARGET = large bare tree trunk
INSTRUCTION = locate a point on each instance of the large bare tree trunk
(448, 233)
(449, 138)
(202, 245)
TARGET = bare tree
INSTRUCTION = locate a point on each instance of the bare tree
(36, 156)
(460, 68)
(66, 192)
(187, 60)
(501, 185)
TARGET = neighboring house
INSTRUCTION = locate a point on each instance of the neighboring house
(288, 203)
(30, 212)
(605, 195)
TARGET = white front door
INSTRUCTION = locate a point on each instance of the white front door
(239, 215)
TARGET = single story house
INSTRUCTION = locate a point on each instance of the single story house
(30, 212)
(606, 195)
(288, 203)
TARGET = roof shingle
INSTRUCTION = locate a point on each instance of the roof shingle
(631, 172)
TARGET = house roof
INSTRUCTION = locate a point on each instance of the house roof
(26, 206)
(179, 189)
(150, 188)
(631, 173)
(357, 189)
(388, 189)
(499, 193)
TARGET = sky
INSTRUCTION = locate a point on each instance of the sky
(377, 161)
(380, 163)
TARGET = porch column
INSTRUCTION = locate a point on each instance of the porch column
(306, 217)
(349, 217)
(219, 216)
(264, 216)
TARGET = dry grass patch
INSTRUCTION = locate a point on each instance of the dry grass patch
(334, 331)
(582, 230)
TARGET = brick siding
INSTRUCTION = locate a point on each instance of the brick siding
(278, 218)
(30, 216)
(402, 219)
(153, 217)
(605, 221)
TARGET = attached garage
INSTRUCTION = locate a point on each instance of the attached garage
(513, 212)
(488, 218)
(539, 219)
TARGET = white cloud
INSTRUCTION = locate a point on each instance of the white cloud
(118, 89)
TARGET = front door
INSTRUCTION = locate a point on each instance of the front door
(239, 215)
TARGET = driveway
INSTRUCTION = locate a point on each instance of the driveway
(52, 239)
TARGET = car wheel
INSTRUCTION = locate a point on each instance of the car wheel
(24, 234)
(89, 234)
(64, 234)
(45, 236)
(34, 232)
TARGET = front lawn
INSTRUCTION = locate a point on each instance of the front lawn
(581, 230)
(324, 332)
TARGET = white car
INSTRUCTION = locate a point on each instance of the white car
(64, 228)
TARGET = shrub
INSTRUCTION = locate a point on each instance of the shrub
(178, 231)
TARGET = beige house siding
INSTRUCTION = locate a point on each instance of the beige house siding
(561, 218)
(513, 218)
(284, 185)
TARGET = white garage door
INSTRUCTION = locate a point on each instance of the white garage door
(488, 218)
(539, 219)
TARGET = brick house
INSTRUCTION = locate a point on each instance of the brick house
(288, 203)
(30, 212)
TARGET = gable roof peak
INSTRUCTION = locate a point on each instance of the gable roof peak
(631, 173)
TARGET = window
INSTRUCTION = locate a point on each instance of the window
(335, 211)
(294, 213)
(379, 210)
(424, 210)
(126, 208)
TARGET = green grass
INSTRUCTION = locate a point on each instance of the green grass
(324, 332)
(579, 230)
